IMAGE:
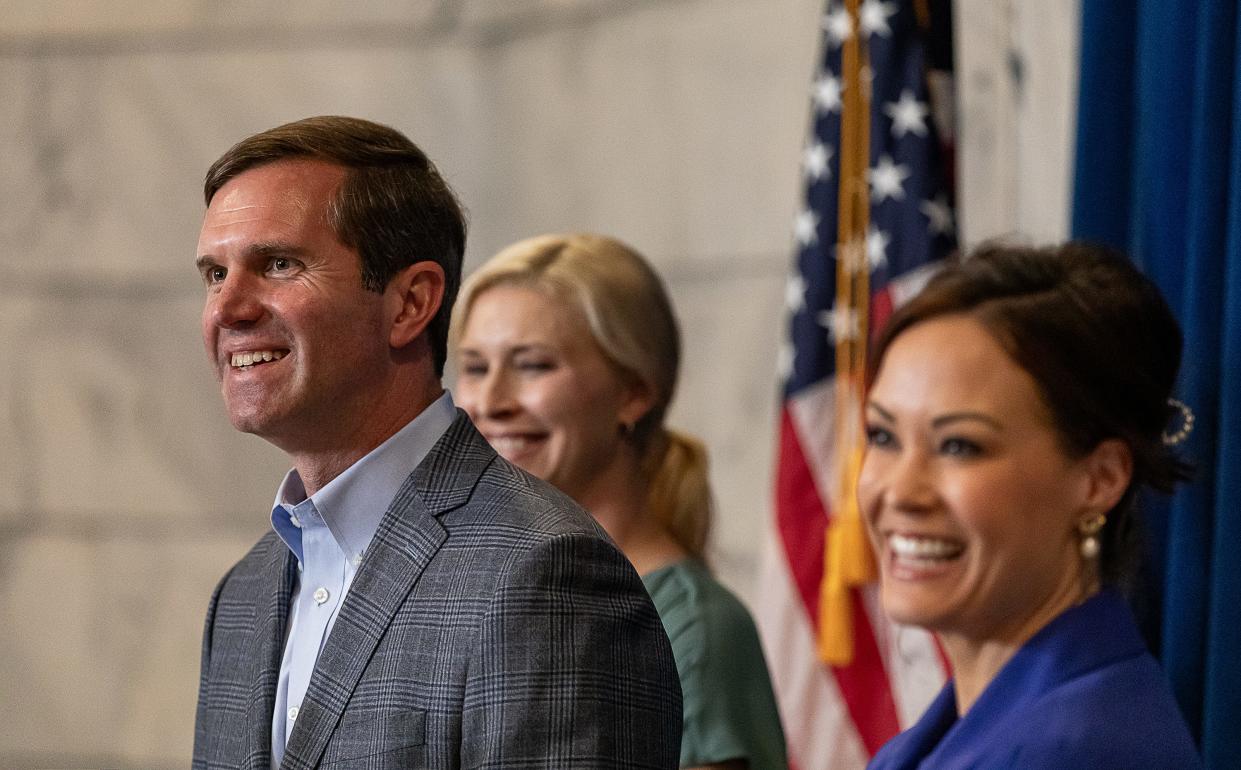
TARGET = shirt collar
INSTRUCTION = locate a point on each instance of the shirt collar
(353, 503)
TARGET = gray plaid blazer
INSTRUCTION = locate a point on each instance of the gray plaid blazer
(492, 624)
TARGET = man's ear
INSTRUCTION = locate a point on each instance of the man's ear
(1109, 469)
(414, 297)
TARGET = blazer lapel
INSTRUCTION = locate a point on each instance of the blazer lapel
(267, 648)
(446, 478)
(408, 538)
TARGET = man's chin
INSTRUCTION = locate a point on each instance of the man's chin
(254, 423)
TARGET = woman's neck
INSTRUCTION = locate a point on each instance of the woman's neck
(618, 501)
(977, 659)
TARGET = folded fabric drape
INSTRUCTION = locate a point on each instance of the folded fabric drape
(1158, 174)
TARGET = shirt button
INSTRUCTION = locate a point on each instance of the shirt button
(293, 713)
(295, 521)
(321, 595)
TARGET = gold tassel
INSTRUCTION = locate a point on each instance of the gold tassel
(848, 561)
(849, 564)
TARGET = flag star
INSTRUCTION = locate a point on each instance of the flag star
(785, 359)
(908, 115)
(838, 25)
(827, 90)
(795, 293)
(814, 161)
(873, 17)
(807, 227)
(887, 180)
(940, 214)
(877, 247)
(842, 324)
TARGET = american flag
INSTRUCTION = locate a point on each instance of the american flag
(877, 217)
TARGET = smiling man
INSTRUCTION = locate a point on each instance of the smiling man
(419, 602)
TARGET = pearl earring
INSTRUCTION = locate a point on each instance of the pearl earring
(1089, 530)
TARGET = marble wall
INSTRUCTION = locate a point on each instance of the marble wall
(675, 124)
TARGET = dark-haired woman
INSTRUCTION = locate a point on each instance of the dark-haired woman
(567, 354)
(1019, 404)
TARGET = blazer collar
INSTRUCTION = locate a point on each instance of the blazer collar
(1094, 634)
(408, 538)
(446, 478)
(910, 747)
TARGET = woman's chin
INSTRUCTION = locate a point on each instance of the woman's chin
(912, 606)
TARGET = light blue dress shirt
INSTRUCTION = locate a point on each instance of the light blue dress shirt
(328, 532)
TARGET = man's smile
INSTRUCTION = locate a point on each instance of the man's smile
(252, 357)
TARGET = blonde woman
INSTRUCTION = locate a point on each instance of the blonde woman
(567, 353)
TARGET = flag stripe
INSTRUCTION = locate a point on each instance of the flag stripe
(865, 686)
(800, 516)
(802, 523)
(818, 727)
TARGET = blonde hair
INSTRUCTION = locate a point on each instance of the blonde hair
(630, 317)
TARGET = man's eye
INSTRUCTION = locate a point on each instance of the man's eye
(472, 370)
(280, 264)
(215, 274)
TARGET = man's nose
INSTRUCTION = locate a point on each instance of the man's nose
(235, 303)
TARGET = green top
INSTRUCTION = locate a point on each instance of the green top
(730, 710)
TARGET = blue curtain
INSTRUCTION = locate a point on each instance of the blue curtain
(1158, 174)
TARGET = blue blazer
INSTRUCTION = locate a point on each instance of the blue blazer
(1082, 692)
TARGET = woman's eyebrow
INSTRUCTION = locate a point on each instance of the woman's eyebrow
(884, 413)
(947, 419)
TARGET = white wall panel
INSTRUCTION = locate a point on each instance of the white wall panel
(1017, 91)
(673, 124)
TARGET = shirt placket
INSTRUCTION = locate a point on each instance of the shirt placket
(319, 594)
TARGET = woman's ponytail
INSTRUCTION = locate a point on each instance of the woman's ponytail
(680, 492)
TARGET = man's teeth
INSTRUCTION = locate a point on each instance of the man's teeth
(256, 357)
(907, 547)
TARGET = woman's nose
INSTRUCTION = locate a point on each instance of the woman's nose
(496, 397)
(910, 485)
(484, 394)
